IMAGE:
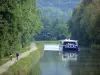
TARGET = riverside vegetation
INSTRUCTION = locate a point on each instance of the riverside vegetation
(85, 22)
(19, 22)
(29, 65)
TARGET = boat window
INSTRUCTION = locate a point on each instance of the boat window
(69, 43)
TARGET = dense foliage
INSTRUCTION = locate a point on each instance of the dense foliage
(55, 14)
(53, 29)
(19, 23)
(85, 23)
(57, 8)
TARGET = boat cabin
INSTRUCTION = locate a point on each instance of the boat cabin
(69, 46)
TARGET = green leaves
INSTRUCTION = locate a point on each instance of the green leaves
(19, 22)
(53, 29)
(85, 22)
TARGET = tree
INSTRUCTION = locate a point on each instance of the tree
(85, 23)
(19, 22)
(53, 29)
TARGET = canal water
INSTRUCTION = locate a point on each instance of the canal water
(52, 64)
(87, 63)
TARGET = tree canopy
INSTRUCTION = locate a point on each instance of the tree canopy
(19, 23)
(84, 24)
(53, 29)
(57, 8)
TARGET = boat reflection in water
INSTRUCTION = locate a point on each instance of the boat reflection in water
(68, 49)
(69, 56)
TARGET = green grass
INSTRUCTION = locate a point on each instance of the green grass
(48, 42)
(4, 60)
(28, 65)
(40, 47)
(7, 58)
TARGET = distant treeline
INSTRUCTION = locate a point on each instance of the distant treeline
(85, 23)
(54, 29)
(55, 14)
(19, 23)
(57, 8)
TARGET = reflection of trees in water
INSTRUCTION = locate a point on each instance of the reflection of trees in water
(88, 63)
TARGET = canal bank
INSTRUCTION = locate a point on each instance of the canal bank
(27, 65)
(49, 62)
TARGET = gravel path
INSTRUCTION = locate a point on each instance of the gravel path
(5, 67)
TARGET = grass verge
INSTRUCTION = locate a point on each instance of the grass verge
(28, 65)
(7, 58)
(48, 42)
